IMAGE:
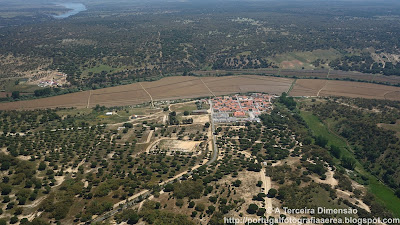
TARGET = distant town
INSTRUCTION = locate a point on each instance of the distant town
(239, 108)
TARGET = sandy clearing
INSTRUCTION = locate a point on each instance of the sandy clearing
(4, 150)
(291, 64)
(200, 119)
(329, 178)
(353, 200)
(178, 145)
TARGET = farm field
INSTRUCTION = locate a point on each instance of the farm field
(171, 88)
(308, 73)
(165, 89)
(309, 87)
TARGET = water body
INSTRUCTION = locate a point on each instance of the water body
(75, 8)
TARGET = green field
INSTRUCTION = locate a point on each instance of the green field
(306, 57)
(319, 128)
(21, 87)
(100, 68)
(190, 106)
(384, 194)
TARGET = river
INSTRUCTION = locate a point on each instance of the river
(75, 8)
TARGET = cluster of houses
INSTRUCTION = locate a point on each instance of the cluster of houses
(240, 104)
(55, 82)
(240, 107)
(48, 83)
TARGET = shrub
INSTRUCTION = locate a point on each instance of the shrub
(200, 207)
(272, 193)
(252, 209)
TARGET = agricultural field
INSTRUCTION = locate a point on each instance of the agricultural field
(173, 88)
(169, 88)
(317, 87)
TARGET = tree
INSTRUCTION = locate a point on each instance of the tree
(18, 211)
(348, 163)
(13, 220)
(6, 189)
(272, 193)
(259, 183)
(259, 197)
(169, 188)
(321, 141)
(186, 113)
(15, 94)
(6, 199)
(252, 209)
(133, 218)
(211, 209)
(397, 193)
(287, 101)
(42, 92)
(5, 165)
(179, 202)
(307, 141)
(200, 207)
(42, 166)
(38, 221)
(237, 183)
(128, 125)
(261, 212)
(191, 204)
(336, 152)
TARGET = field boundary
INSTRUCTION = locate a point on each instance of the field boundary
(291, 86)
(319, 91)
(207, 87)
(151, 98)
(88, 101)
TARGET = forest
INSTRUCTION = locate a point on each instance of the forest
(97, 50)
(71, 165)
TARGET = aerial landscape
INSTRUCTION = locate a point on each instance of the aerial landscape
(200, 112)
